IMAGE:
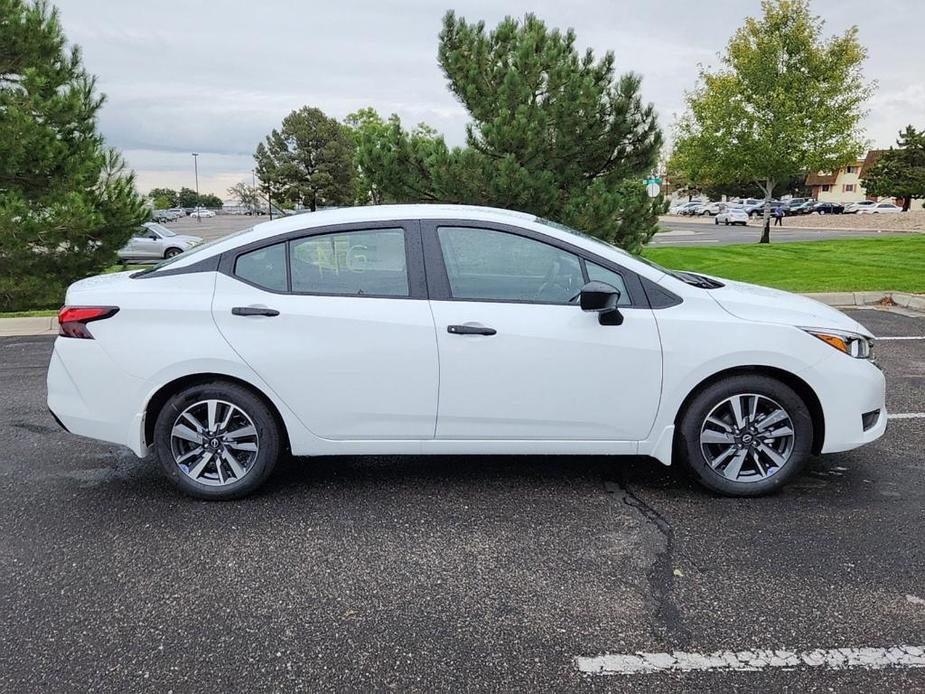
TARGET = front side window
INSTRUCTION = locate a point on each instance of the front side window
(601, 274)
(483, 264)
(353, 263)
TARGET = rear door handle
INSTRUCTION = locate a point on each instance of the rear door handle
(254, 311)
(471, 329)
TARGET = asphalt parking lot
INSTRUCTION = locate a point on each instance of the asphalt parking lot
(451, 574)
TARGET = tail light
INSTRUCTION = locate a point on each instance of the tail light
(72, 320)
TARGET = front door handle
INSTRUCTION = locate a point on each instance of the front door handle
(254, 311)
(471, 329)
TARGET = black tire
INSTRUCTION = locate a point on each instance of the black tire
(269, 439)
(690, 452)
(171, 252)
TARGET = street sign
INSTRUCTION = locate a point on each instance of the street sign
(653, 179)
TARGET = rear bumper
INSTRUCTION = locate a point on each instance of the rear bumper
(89, 396)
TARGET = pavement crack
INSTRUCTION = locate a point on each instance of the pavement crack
(668, 623)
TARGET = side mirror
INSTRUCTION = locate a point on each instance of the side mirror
(602, 298)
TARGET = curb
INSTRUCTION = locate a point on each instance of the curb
(23, 327)
(915, 302)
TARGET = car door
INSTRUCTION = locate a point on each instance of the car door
(336, 322)
(519, 359)
(144, 245)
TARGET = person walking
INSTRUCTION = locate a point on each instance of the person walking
(778, 216)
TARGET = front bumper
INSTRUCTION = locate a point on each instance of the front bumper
(848, 389)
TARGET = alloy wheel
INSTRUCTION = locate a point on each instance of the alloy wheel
(214, 442)
(747, 438)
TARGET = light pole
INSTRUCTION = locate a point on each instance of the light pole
(254, 191)
(196, 170)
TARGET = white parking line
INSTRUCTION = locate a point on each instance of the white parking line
(907, 415)
(681, 661)
(904, 337)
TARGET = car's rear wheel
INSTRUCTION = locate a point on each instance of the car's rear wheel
(745, 435)
(216, 441)
(171, 252)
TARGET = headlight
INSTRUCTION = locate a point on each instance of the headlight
(852, 344)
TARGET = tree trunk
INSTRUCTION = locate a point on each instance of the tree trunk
(766, 231)
(907, 202)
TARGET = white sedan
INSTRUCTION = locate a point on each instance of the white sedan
(446, 330)
(731, 214)
(880, 208)
(202, 213)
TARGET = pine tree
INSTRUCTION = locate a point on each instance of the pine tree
(67, 202)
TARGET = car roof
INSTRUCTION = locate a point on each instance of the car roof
(386, 213)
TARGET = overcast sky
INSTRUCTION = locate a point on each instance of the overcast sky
(215, 77)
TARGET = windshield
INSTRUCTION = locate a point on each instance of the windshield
(160, 229)
(195, 250)
(690, 278)
(608, 246)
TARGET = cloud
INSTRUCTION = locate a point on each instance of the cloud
(215, 78)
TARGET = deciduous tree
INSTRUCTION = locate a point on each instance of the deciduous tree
(784, 101)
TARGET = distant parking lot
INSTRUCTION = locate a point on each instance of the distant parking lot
(450, 573)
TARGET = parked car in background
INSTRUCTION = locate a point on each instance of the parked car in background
(688, 208)
(178, 211)
(801, 207)
(710, 209)
(201, 213)
(856, 207)
(453, 330)
(154, 241)
(163, 216)
(731, 214)
(757, 210)
(880, 208)
(828, 208)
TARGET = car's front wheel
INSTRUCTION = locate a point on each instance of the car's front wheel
(171, 252)
(745, 435)
(216, 440)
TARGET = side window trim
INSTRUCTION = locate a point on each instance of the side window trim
(438, 283)
(414, 256)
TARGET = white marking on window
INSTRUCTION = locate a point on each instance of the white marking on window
(681, 661)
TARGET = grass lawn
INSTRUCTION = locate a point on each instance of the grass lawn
(893, 263)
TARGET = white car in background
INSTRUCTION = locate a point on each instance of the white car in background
(453, 330)
(731, 214)
(153, 241)
(178, 211)
(202, 213)
(709, 209)
(880, 208)
(855, 207)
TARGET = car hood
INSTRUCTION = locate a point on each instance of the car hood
(763, 304)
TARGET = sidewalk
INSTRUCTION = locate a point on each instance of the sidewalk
(20, 327)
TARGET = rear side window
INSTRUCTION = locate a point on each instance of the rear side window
(265, 267)
(353, 263)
